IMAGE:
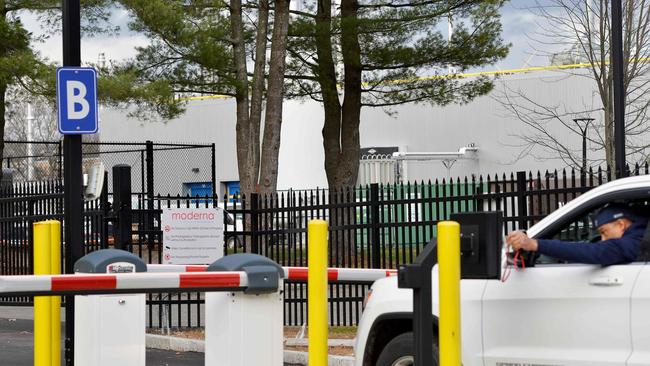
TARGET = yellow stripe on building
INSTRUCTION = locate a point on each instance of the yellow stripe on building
(452, 76)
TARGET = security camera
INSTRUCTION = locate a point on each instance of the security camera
(95, 181)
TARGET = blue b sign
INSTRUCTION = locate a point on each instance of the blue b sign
(76, 97)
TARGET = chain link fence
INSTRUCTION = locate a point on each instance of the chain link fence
(157, 168)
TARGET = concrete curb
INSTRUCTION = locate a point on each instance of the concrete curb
(174, 343)
(290, 357)
(301, 358)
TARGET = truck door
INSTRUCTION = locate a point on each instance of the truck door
(641, 320)
(558, 313)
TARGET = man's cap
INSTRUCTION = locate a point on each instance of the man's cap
(613, 212)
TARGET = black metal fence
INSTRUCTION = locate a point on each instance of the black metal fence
(376, 226)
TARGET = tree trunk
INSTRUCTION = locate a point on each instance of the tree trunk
(327, 79)
(257, 95)
(247, 177)
(3, 90)
(274, 98)
(348, 162)
(341, 127)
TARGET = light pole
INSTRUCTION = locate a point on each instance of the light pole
(30, 145)
(619, 96)
(583, 130)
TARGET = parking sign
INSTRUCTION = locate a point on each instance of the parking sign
(76, 96)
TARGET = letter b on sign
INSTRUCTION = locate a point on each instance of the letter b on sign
(77, 100)
(77, 97)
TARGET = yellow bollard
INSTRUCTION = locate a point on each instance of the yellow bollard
(317, 292)
(55, 301)
(42, 304)
(449, 293)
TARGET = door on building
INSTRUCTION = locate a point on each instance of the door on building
(232, 191)
(198, 189)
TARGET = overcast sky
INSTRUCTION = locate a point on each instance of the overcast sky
(518, 23)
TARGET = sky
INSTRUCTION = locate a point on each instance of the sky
(518, 24)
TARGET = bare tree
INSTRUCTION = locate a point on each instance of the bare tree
(583, 29)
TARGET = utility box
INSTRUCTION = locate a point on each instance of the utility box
(110, 329)
(246, 328)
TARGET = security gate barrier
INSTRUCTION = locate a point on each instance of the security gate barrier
(250, 302)
(109, 329)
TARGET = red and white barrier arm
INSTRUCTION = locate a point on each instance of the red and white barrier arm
(341, 274)
(83, 284)
(157, 268)
(295, 273)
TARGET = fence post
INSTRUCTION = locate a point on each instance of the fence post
(60, 148)
(30, 234)
(150, 192)
(374, 225)
(214, 172)
(122, 206)
(104, 206)
(255, 247)
(522, 208)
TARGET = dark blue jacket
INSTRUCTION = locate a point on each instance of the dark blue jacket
(607, 252)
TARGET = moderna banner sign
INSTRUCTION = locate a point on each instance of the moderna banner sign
(192, 235)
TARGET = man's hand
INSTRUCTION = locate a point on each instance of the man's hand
(519, 240)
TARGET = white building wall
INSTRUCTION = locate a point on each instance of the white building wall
(415, 128)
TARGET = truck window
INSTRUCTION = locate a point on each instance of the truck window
(581, 229)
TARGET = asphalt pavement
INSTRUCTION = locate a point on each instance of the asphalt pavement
(17, 338)
(17, 347)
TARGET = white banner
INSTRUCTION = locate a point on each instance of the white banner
(192, 235)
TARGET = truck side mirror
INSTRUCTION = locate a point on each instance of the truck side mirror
(480, 244)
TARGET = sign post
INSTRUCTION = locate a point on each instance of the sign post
(77, 107)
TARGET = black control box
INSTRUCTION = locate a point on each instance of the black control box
(480, 244)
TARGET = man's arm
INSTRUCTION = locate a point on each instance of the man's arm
(608, 252)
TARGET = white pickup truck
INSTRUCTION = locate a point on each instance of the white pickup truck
(550, 314)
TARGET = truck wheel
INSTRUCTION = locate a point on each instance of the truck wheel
(399, 351)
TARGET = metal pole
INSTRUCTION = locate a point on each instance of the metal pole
(583, 131)
(449, 293)
(150, 194)
(375, 232)
(214, 172)
(73, 204)
(317, 292)
(122, 195)
(42, 304)
(522, 207)
(619, 92)
(417, 276)
(30, 145)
